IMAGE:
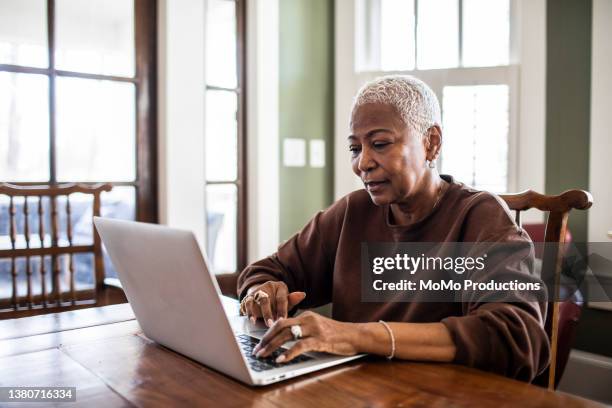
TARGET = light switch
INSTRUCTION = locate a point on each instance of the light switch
(317, 153)
(294, 152)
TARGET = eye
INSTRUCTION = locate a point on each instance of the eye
(354, 149)
(380, 145)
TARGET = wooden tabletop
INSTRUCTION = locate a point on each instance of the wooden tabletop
(103, 353)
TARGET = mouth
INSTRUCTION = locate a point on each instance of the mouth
(375, 186)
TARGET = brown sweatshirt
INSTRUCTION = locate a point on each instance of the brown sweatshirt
(323, 260)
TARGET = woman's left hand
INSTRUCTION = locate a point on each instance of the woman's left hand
(319, 333)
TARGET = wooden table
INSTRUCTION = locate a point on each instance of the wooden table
(103, 353)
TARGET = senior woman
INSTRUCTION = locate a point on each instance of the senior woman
(394, 142)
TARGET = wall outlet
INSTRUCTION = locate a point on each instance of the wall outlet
(317, 153)
(294, 152)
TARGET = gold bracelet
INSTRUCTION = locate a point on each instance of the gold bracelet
(390, 356)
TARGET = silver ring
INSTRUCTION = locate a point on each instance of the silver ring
(296, 331)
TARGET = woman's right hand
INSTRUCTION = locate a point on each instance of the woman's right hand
(270, 300)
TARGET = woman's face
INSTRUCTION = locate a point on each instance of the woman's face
(388, 156)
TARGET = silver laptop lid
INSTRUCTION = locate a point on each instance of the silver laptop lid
(173, 293)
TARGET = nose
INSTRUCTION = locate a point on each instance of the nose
(366, 161)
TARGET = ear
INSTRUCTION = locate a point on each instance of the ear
(433, 142)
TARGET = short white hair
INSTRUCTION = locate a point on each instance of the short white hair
(415, 102)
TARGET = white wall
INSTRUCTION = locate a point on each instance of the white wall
(531, 148)
(600, 215)
(262, 128)
(588, 375)
(529, 47)
(181, 115)
(346, 85)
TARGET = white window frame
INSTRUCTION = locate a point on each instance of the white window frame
(525, 77)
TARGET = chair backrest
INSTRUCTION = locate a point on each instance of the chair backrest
(37, 237)
(558, 208)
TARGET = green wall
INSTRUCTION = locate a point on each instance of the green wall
(568, 101)
(306, 102)
(568, 105)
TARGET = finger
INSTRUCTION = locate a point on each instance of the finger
(302, 346)
(294, 298)
(282, 301)
(266, 310)
(273, 332)
(249, 305)
(277, 341)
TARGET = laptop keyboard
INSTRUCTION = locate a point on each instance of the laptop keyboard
(248, 343)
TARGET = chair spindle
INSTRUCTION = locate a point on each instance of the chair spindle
(13, 233)
(70, 256)
(41, 236)
(26, 233)
(98, 258)
(55, 261)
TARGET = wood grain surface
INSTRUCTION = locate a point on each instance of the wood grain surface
(112, 363)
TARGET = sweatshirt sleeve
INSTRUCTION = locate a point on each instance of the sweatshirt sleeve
(304, 262)
(506, 337)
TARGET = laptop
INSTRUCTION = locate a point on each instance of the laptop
(177, 302)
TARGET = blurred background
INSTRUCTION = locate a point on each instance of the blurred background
(230, 117)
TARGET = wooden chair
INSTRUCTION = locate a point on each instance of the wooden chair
(228, 284)
(50, 246)
(558, 208)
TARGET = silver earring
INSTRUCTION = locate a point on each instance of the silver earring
(431, 164)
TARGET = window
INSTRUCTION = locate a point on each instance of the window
(225, 136)
(77, 101)
(463, 49)
(480, 115)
